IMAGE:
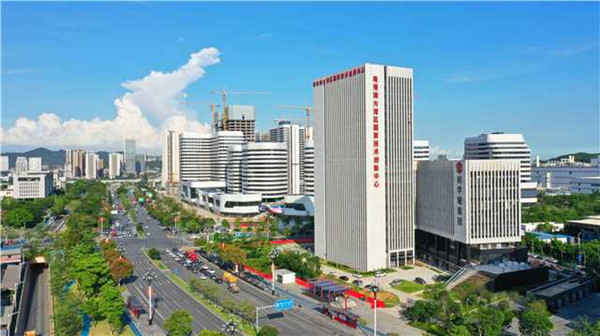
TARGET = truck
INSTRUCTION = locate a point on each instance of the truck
(231, 282)
(233, 287)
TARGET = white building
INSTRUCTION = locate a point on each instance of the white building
(585, 185)
(21, 165)
(421, 150)
(195, 160)
(264, 170)
(234, 170)
(170, 160)
(471, 208)
(115, 161)
(364, 177)
(562, 177)
(220, 145)
(4, 163)
(210, 195)
(309, 168)
(74, 163)
(30, 185)
(91, 165)
(35, 164)
(129, 156)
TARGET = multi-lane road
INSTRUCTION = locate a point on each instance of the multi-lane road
(37, 305)
(305, 321)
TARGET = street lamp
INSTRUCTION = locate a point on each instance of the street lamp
(375, 289)
(149, 276)
(273, 255)
(229, 327)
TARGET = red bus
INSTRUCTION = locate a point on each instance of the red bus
(134, 306)
(341, 315)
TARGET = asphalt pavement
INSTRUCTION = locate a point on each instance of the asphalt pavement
(306, 321)
(37, 310)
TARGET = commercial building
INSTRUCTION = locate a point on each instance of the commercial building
(421, 150)
(29, 185)
(240, 118)
(468, 211)
(309, 168)
(140, 163)
(129, 154)
(264, 170)
(564, 291)
(74, 163)
(35, 164)
(364, 176)
(4, 167)
(91, 166)
(220, 146)
(195, 160)
(585, 185)
(170, 160)
(234, 170)
(501, 146)
(587, 228)
(21, 165)
(294, 136)
(115, 162)
(210, 195)
(563, 177)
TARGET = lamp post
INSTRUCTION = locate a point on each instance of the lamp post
(149, 276)
(273, 255)
(375, 289)
(579, 248)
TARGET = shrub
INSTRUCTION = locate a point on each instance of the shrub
(154, 254)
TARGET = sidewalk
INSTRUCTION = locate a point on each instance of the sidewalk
(142, 322)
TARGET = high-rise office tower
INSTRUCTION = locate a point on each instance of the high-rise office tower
(115, 161)
(264, 170)
(21, 165)
(170, 160)
(500, 145)
(294, 136)
(4, 163)
(140, 163)
(35, 164)
(220, 144)
(309, 168)
(240, 118)
(129, 154)
(195, 160)
(364, 176)
(91, 165)
(421, 150)
(74, 163)
(468, 211)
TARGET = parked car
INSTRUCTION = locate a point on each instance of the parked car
(358, 283)
(420, 281)
(343, 277)
(379, 274)
(357, 275)
(396, 282)
(369, 287)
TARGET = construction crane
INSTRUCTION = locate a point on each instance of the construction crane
(306, 109)
(212, 111)
(225, 93)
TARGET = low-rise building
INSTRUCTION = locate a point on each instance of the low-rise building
(585, 185)
(31, 185)
(589, 228)
(562, 292)
(211, 195)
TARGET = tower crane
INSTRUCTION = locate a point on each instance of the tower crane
(224, 93)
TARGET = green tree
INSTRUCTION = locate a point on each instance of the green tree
(110, 305)
(247, 310)
(19, 217)
(535, 321)
(583, 327)
(268, 331)
(179, 323)
(67, 319)
(234, 254)
(154, 253)
(459, 330)
(225, 224)
(208, 332)
(121, 269)
(488, 321)
(91, 273)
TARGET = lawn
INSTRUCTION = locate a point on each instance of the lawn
(409, 287)
(102, 328)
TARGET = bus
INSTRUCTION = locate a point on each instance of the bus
(341, 315)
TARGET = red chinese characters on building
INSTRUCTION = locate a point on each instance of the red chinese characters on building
(375, 130)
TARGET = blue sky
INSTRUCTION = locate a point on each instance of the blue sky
(479, 67)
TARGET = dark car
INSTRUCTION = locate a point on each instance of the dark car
(369, 287)
(357, 283)
(420, 281)
(343, 277)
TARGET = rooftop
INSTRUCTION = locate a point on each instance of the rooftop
(591, 220)
(554, 288)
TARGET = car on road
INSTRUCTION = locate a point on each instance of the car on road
(357, 283)
(379, 274)
(357, 275)
(202, 276)
(369, 287)
(420, 281)
(343, 277)
(211, 271)
(396, 282)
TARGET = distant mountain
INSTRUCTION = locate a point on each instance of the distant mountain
(579, 157)
(49, 157)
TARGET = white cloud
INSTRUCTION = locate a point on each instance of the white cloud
(158, 95)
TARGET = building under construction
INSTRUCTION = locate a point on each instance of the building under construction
(239, 118)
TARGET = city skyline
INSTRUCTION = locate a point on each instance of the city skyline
(486, 81)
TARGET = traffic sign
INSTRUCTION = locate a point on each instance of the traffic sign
(285, 304)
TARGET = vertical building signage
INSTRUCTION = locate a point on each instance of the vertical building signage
(459, 193)
(375, 132)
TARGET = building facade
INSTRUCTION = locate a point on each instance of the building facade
(115, 162)
(421, 150)
(562, 177)
(30, 185)
(500, 145)
(309, 168)
(35, 164)
(129, 156)
(75, 163)
(468, 210)
(91, 166)
(234, 170)
(21, 165)
(585, 185)
(4, 167)
(264, 170)
(170, 160)
(364, 176)
(195, 160)
(240, 118)
(220, 145)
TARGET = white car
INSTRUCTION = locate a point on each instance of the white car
(379, 274)
(357, 275)
(202, 276)
(211, 271)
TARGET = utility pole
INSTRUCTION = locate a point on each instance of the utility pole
(375, 289)
(273, 255)
(149, 276)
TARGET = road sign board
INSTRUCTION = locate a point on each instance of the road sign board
(285, 304)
